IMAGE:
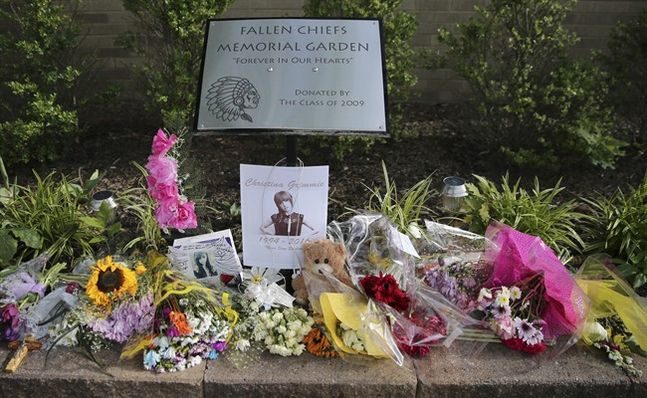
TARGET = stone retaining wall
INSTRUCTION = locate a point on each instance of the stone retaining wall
(104, 20)
(495, 372)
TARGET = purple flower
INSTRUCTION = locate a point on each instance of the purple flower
(127, 320)
(219, 346)
(23, 283)
(11, 323)
(172, 331)
(72, 287)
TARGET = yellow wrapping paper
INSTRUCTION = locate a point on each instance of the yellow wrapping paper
(611, 295)
(346, 308)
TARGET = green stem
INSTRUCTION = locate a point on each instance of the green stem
(3, 174)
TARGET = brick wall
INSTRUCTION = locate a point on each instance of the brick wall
(104, 20)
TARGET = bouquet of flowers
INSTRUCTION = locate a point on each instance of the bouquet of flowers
(186, 331)
(21, 289)
(383, 265)
(415, 326)
(617, 321)
(191, 322)
(113, 303)
(164, 185)
(453, 264)
(513, 314)
(530, 299)
(279, 330)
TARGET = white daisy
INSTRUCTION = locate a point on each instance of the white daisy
(515, 293)
(527, 332)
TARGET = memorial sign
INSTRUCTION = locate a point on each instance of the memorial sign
(292, 75)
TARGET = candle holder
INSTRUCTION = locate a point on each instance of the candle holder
(100, 197)
(454, 193)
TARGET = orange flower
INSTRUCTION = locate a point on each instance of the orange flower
(179, 321)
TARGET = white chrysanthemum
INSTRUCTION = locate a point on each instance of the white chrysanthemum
(527, 332)
(515, 293)
(281, 329)
(277, 317)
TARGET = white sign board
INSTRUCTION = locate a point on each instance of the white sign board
(323, 75)
(281, 208)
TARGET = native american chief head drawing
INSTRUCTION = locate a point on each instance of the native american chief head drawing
(229, 96)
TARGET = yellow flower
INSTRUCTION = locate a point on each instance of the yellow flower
(110, 281)
(140, 268)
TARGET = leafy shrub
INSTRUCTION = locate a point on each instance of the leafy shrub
(626, 64)
(37, 112)
(399, 28)
(48, 217)
(536, 103)
(405, 210)
(618, 227)
(534, 213)
(170, 40)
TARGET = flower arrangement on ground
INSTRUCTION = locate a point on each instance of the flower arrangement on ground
(165, 186)
(114, 303)
(617, 321)
(191, 322)
(279, 330)
(21, 289)
(530, 299)
(415, 326)
(513, 314)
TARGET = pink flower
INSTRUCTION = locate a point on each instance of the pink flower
(186, 217)
(162, 169)
(166, 212)
(161, 191)
(162, 144)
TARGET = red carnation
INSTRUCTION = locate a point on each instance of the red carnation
(385, 289)
(519, 345)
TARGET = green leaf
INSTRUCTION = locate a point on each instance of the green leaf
(31, 238)
(6, 195)
(93, 222)
(484, 213)
(8, 246)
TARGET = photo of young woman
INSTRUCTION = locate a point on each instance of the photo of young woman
(285, 222)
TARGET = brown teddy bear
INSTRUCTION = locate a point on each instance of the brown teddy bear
(322, 259)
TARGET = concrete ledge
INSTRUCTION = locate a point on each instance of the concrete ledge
(305, 375)
(495, 372)
(69, 373)
(500, 372)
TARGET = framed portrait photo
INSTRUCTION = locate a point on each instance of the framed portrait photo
(281, 208)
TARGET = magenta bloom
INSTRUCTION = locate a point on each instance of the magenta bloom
(10, 322)
(185, 217)
(162, 144)
(162, 190)
(166, 212)
(163, 169)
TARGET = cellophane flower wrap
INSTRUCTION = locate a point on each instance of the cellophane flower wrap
(382, 264)
(517, 257)
(452, 263)
(173, 210)
(617, 320)
(108, 302)
(22, 288)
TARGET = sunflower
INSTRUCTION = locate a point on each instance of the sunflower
(110, 281)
